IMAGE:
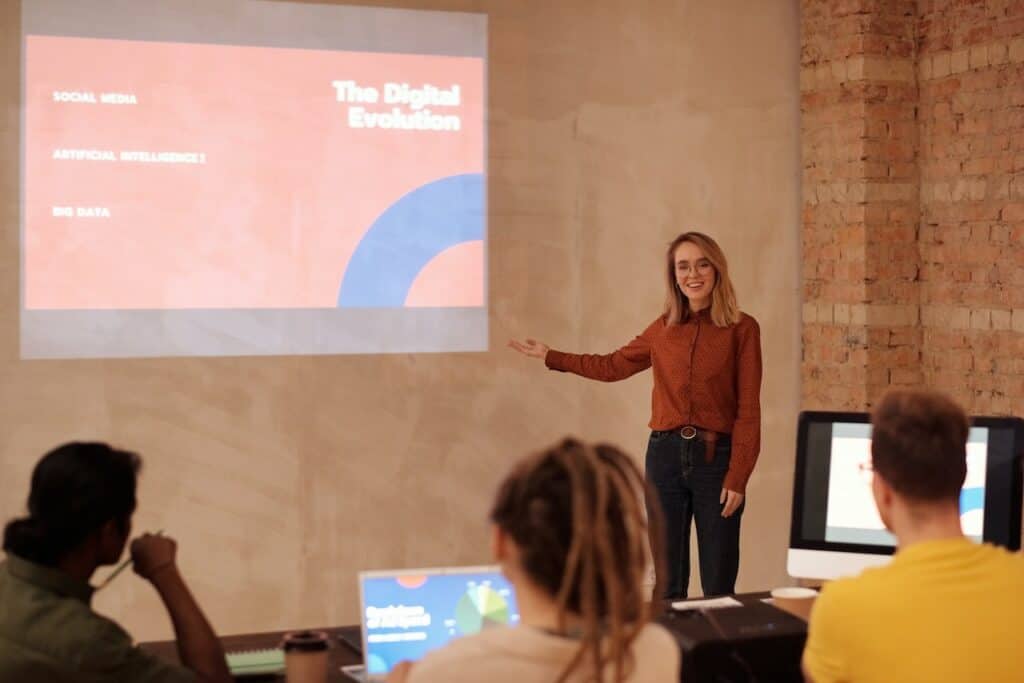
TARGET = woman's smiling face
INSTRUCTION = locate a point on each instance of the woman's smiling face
(695, 275)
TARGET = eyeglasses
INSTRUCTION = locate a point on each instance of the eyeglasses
(703, 267)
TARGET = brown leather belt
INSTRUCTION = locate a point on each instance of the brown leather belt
(690, 432)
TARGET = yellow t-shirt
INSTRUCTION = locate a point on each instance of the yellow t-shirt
(946, 610)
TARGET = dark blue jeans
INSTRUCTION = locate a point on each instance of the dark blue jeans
(689, 488)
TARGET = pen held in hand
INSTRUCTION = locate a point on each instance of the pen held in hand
(120, 568)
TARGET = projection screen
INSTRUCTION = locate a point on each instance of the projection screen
(246, 177)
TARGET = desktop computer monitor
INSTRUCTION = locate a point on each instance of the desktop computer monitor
(835, 529)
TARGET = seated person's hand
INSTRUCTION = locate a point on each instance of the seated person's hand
(400, 672)
(152, 554)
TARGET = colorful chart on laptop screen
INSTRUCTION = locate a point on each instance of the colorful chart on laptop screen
(405, 616)
(481, 607)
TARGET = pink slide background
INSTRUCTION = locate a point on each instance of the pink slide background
(288, 190)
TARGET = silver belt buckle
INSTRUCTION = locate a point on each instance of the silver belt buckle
(688, 432)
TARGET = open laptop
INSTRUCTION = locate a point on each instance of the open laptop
(407, 613)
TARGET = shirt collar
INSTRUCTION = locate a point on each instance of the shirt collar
(49, 579)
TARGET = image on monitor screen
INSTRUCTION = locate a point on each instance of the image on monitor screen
(851, 516)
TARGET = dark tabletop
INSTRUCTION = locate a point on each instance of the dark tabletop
(345, 644)
(340, 652)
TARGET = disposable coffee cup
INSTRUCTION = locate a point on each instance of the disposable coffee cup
(305, 657)
(797, 601)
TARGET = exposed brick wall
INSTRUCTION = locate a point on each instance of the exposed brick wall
(971, 117)
(913, 195)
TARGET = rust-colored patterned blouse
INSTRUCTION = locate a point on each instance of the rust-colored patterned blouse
(704, 375)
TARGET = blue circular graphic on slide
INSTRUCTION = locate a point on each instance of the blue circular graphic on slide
(408, 235)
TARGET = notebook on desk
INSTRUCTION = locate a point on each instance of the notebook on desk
(407, 613)
(262, 662)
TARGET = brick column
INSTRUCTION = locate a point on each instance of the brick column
(861, 201)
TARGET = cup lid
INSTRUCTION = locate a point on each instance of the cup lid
(305, 641)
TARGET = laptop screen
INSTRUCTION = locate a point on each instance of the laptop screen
(408, 613)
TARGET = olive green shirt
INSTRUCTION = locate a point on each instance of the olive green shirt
(49, 633)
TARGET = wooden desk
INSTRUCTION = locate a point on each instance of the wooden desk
(339, 654)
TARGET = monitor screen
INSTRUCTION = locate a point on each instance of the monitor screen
(407, 614)
(836, 529)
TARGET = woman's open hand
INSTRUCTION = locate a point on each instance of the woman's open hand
(531, 348)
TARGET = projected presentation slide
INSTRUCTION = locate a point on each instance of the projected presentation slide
(195, 183)
(407, 616)
(852, 516)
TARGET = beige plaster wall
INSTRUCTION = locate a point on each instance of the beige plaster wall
(613, 125)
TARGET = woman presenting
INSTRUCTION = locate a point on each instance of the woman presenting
(705, 410)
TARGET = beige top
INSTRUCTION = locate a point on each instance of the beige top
(526, 655)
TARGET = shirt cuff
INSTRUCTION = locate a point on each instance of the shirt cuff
(555, 360)
(736, 481)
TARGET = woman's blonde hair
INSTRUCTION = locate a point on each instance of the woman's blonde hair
(724, 309)
(577, 515)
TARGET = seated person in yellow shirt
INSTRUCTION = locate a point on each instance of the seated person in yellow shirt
(945, 608)
(80, 510)
(571, 536)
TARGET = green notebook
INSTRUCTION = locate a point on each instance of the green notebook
(256, 662)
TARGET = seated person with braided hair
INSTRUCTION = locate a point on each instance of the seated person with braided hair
(80, 509)
(571, 535)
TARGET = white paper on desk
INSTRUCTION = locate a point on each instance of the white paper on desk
(711, 603)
